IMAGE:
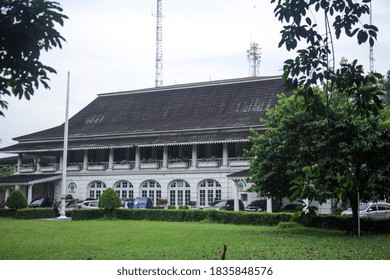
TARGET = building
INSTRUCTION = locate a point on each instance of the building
(179, 143)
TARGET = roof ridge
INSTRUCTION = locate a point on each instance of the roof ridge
(192, 85)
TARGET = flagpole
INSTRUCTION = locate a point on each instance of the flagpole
(65, 152)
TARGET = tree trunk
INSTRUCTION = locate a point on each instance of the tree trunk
(355, 208)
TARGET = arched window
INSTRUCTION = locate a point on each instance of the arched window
(209, 191)
(151, 189)
(96, 188)
(179, 192)
(124, 189)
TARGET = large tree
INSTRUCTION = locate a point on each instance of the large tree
(27, 28)
(293, 159)
(312, 25)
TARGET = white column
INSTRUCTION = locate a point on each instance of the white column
(194, 159)
(39, 159)
(29, 194)
(59, 158)
(137, 157)
(6, 193)
(235, 196)
(269, 205)
(111, 159)
(17, 187)
(165, 157)
(225, 155)
(20, 161)
(85, 160)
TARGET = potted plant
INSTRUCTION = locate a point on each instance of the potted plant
(122, 165)
(150, 163)
(208, 162)
(96, 166)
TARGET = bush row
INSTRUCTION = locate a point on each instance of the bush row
(34, 213)
(86, 214)
(345, 223)
(7, 212)
(225, 217)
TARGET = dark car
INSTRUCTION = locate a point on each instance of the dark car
(261, 205)
(226, 205)
(41, 202)
(143, 203)
(290, 207)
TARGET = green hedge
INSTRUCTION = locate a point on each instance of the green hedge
(34, 213)
(86, 214)
(345, 223)
(225, 217)
(7, 212)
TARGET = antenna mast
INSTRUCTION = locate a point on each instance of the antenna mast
(371, 47)
(254, 58)
(159, 54)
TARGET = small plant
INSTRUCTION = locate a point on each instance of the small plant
(16, 200)
(171, 207)
(183, 207)
(109, 201)
(162, 201)
(125, 161)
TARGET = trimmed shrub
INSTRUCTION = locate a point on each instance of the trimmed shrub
(183, 207)
(171, 207)
(16, 200)
(87, 214)
(34, 213)
(109, 201)
(7, 212)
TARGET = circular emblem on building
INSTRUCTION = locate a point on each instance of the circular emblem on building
(241, 185)
(72, 187)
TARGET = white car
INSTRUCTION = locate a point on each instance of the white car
(92, 204)
(371, 209)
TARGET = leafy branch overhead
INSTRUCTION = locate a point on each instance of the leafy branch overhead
(312, 65)
(27, 28)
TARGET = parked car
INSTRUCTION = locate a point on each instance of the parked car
(371, 209)
(93, 204)
(214, 202)
(41, 202)
(226, 205)
(142, 203)
(261, 205)
(290, 207)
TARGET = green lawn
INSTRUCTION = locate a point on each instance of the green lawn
(146, 240)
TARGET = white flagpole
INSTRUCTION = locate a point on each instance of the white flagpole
(65, 152)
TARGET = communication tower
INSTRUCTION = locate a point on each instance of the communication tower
(254, 59)
(159, 53)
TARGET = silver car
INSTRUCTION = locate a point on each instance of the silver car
(371, 209)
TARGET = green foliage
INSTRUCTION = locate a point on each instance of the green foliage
(354, 157)
(109, 201)
(171, 207)
(27, 28)
(344, 223)
(16, 200)
(183, 207)
(34, 213)
(224, 217)
(87, 214)
(7, 212)
(6, 171)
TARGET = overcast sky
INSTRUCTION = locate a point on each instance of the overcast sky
(111, 47)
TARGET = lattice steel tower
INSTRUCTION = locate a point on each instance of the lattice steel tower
(159, 53)
(254, 59)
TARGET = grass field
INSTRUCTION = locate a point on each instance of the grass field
(145, 240)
